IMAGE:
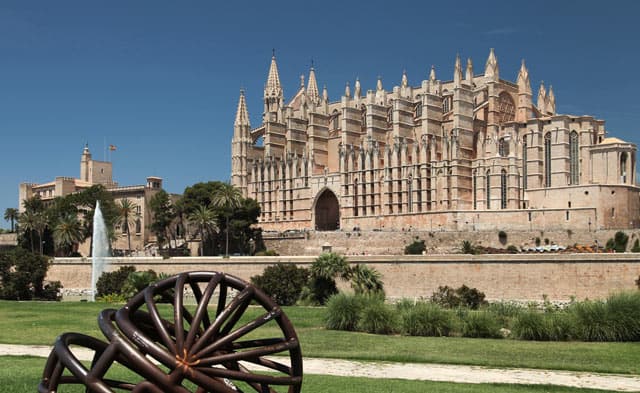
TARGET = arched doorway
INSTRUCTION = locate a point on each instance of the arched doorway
(327, 211)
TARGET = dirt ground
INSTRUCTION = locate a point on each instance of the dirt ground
(413, 371)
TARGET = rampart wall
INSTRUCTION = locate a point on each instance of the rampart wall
(381, 242)
(522, 277)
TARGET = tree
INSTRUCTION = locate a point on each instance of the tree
(163, 215)
(366, 280)
(127, 212)
(228, 198)
(204, 218)
(67, 233)
(33, 221)
(11, 214)
(324, 270)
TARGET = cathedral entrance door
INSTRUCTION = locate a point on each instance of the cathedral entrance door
(327, 212)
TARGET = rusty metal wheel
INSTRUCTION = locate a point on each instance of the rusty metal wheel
(219, 344)
(195, 332)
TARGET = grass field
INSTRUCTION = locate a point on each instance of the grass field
(42, 322)
(22, 374)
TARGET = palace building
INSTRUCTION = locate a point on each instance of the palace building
(472, 153)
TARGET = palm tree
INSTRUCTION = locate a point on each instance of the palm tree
(127, 210)
(204, 218)
(366, 280)
(68, 232)
(228, 198)
(26, 220)
(11, 214)
(31, 221)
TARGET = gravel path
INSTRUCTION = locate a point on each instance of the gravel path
(425, 372)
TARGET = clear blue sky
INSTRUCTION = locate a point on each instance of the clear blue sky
(160, 79)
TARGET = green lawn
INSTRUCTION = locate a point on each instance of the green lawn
(41, 323)
(22, 374)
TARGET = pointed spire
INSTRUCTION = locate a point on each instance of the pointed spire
(523, 82)
(325, 94)
(457, 72)
(347, 91)
(542, 98)
(273, 86)
(551, 101)
(405, 81)
(312, 86)
(379, 84)
(358, 89)
(242, 114)
(432, 74)
(469, 73)
(491, 67)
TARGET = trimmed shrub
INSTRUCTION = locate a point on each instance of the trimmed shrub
(112, 282)
(470, 297)
(282, 282)
(480, 324)
(464, 296)
(417, 247)
(446, 296)
(378, 318)
(426, 319)
(137, 281)
(512, 249)
(22, 276)
(343, 312)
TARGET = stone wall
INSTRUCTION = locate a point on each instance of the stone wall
(438, 242)
(522, 277)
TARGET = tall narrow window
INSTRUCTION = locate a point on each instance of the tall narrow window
(574, 170)
(503, 189)
(623, 168)
(488, 189)
(445, 105)
(355, 197)
(418, 110)
(503, 147)
(475, 190)
(547, 159)
(524, 162)
(409, 194)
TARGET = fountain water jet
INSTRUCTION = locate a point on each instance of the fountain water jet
(99, 249)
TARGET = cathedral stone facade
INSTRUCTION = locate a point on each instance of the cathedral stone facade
(472, 153)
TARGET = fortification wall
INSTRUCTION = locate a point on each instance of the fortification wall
(350, 242)
(523, 277)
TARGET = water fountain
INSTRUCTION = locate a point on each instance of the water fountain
(99, 249)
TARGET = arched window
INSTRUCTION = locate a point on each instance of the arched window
(574, 170)
(363, 117)
(623, 168)
(446, 107)
(524, 162)
(503, 147)
(335, 120)
(488, 189)
(547, 159)
(418, 112)
(138, 226)
(503, 189)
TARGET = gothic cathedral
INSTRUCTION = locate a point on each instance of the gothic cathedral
(472, 153)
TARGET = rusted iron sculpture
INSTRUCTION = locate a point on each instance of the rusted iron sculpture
(210, 347)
